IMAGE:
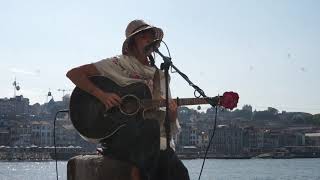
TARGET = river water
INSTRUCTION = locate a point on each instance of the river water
(214, 169)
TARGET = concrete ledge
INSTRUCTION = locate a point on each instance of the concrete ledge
(97, 167)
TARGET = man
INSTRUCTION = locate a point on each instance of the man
(142, 147)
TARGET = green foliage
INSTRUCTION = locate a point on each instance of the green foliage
(316, 119)
(247, 107)
(246, 112)
(264, 115)
(273, 111)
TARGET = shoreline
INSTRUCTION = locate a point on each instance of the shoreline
(65, 153)
(68, 156)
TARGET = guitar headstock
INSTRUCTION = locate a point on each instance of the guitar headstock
(229, 100)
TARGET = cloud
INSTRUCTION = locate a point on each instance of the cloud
(22, 71)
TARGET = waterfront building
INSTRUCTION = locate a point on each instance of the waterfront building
(66, 135)
(4, 136)
(253, 137)
(227, 140)
(41, 133)
(291, 138)
(313, 139)
(20, 134)
(14, 106)
(183, 138)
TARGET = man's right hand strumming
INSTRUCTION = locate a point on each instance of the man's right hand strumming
(108, 99)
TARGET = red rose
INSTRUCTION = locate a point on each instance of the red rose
(229, 100)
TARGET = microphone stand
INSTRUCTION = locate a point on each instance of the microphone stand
(165, 66)
(168, 62)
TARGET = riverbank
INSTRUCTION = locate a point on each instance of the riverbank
(271, 155)
(34, 153)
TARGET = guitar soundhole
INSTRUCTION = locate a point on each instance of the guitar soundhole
(130, 105)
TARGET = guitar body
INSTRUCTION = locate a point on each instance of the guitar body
(89, 115)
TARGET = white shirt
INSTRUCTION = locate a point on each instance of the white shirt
(125, 70)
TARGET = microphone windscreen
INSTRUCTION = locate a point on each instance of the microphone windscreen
(152, 46)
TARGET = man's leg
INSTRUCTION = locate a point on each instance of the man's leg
(138, 143)
(169, 160)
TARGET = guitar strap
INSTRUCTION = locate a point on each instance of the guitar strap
(156, 94)
(158, 114)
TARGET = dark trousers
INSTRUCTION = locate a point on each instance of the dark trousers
(170, 167)
(138, 143)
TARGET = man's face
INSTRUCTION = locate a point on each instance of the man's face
(142, 39)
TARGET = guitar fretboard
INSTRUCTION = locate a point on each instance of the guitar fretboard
(179, 101)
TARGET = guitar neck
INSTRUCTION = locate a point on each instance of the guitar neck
(195, 101)
(180, 102)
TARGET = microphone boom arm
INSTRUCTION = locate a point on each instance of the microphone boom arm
(167, 60)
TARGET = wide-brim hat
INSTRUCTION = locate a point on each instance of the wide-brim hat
(135, 27)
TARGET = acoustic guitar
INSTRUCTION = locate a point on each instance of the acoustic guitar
(94, 123)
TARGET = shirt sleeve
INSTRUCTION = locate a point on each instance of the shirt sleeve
(105, 66)
(113, 69)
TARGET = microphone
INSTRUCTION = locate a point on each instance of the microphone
(152, 46)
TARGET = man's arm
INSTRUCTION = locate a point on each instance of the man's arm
(80, 77)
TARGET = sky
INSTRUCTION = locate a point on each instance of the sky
(268, 51)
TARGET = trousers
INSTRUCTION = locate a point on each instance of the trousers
(139, 143)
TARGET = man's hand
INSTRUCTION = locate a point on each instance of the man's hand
(108, 99)
(111, 100)
(173, 110)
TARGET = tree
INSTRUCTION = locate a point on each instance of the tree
(247, 107)
(273, 111)
(316, 119)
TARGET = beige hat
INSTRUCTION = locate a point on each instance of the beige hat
(136, 26)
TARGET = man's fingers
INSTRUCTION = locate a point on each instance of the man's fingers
(114, 102)
(115, 98)
(172, 104)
